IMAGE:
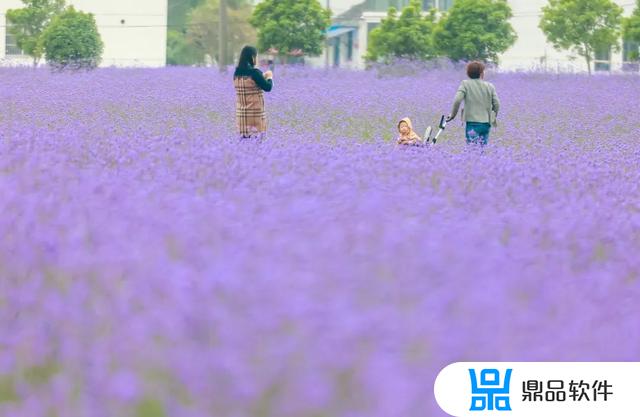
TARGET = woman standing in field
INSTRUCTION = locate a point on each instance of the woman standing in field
(481, 104)
(250, 82)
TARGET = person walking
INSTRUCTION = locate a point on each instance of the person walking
(481, 104)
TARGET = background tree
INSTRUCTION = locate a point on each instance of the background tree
(28, 23)
(203, 25)
(475, 30)
(408, 36)
(72, 40)
(291, 26)
(180, 51)
(583, 26)
(631, 30)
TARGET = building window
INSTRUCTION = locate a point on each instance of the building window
(630, 55)
(350, 46)
(630, 51)
(428, 4)
(602, 60)
(445, 4)
(11, 46)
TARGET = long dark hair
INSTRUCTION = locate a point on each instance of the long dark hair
(247, 57)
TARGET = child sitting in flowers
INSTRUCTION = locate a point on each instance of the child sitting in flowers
(407, 135)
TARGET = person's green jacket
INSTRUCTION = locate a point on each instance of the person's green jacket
(481, 103)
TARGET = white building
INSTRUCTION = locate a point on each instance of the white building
(348, 38)
(134, 32)
(531, 50)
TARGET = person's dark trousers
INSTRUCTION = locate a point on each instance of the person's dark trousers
(478, 133)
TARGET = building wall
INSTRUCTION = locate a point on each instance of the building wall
(368, 22)
(338, 47)
(134, 32)
(531, 50)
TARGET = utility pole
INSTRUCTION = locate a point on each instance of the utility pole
(222, 36)
(326, 42)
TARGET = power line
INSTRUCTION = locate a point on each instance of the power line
(124, 14)
(125, 26)
(222, 32)
(130, 14)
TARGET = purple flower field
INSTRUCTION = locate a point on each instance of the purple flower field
(152, 266)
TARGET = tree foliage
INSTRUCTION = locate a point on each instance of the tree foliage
(179, 50)
(28, 23)
(582, 26)
(178, 12)
(475, 30)
(203, 30)
(406, 36)
(72, 40)
(291, 26)
(195, 30)
(631, 28)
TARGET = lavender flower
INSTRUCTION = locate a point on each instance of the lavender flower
(151, 265)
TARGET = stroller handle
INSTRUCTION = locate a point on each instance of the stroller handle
(443, 122)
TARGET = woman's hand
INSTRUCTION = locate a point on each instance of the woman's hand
(268, 75)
